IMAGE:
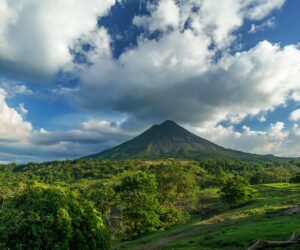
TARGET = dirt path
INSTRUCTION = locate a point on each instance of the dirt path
(164, 241)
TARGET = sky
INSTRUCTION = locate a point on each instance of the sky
(78, 77)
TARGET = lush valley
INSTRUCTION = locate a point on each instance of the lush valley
(168, 204)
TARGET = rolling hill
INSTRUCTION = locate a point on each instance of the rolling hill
(169, 140)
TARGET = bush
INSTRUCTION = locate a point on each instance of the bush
(235, 190)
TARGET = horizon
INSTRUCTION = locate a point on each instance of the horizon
(79, 78)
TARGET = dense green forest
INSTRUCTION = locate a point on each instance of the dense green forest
(94, 204)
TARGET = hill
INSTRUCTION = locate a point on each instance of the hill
(169, 140)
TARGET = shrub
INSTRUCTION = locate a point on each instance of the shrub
(235, 190)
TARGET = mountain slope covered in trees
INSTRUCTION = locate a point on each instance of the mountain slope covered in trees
(169, 140)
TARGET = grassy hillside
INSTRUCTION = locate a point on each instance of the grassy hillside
(264, 218)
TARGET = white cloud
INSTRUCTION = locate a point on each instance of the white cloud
(13, 88)
(186, 74)
(296, 95)
(262, 118)
(262, 78)
(88, 132)
(295, 115)
(266, 24)
(102, 126)
(19, 142)
(214, 18)
(175, 77)
(91, 136)
(35, 35)
(181, 76)
(260, 8)
(275, 140)
(164, 15)
(22, 110)
(12, 125)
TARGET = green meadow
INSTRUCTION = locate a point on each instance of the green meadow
(265, 217)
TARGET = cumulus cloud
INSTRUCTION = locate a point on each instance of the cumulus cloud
(166, 78)
(216, 19)
(12, 125)
(35, 36)
(164, 15)
(182, 76)
(276, 139)
(295, 115)
(188, 73)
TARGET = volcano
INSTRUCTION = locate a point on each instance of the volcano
(169, 140)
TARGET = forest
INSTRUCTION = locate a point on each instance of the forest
(97, 204)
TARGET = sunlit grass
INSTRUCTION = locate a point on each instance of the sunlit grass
(262, 218)
(282, 185)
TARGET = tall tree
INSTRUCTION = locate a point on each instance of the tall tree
(139, 204)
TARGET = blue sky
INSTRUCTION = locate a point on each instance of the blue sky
(79, 78)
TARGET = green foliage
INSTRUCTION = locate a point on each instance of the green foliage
(132, 197)
(45, 217)
(296, 178)
(209, 172)
(178, 192)
(68, 171)
(254, 172)
(230, 229)
(235, 190)
(177, 187)
(104, 198)
(139, 204)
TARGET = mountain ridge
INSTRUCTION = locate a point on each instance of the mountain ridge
(169, 140)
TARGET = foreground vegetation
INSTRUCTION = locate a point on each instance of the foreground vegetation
(265, 217)
(168, 204)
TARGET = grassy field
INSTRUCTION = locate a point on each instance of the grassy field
(219, 227)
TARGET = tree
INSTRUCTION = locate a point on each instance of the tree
(104, 198)
(139, 205)
(296, 178)
(178, 192)
(177, 186)
(46, 217)
(235, 190)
